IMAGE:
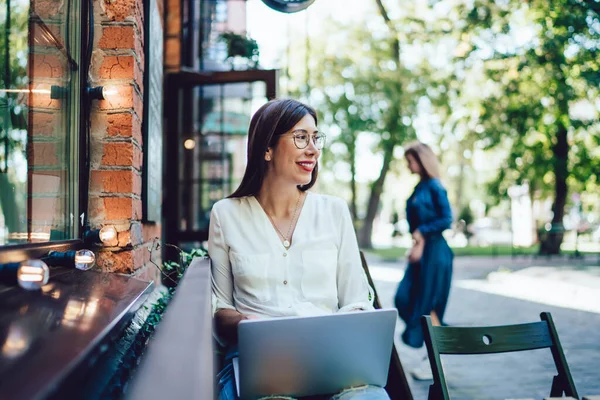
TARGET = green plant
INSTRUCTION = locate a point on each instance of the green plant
(173, 270)
(240, 46)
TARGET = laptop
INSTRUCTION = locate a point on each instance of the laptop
(304, 356)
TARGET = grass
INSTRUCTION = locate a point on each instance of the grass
(394, 253)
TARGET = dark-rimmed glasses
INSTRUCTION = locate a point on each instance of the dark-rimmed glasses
(302, 137)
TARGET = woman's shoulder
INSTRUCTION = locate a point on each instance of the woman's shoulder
(435, 183)
(329, 202)
(230, 205)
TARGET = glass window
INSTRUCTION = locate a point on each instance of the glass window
(39, 123)
(221, 11)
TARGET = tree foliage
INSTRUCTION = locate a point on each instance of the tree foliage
(540, 62)
(364, 89)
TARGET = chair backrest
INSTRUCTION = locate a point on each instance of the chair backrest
(495, 339)
(397, 385)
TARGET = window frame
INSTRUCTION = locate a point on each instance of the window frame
(77, 142)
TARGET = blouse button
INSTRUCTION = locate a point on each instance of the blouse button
(285, 282)
(285, 254)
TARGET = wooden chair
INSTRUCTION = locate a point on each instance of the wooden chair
(495, 339)
(397, 385)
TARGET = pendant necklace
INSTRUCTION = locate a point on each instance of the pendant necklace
(286, 241)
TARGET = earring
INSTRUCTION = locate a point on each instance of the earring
(268, 157)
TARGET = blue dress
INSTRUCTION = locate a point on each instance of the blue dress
(426, 283)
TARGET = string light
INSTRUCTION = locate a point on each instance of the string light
(81, 259)
(97, 92)
(30, 274)
(107, 235)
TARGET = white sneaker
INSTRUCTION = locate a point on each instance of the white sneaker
(423, 371)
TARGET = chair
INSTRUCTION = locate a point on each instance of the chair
(495, 339)
(397, 385)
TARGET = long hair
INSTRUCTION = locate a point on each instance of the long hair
(267, 125)
(430, 166)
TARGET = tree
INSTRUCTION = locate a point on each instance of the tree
(13, 64)
(541, 61)
(361, 86)
(362, 92)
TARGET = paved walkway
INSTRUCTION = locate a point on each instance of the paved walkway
(502, 290)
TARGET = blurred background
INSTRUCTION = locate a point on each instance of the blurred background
(506, 93)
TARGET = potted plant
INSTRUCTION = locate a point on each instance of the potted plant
(240, 46)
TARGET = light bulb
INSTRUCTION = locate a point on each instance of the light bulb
(189, 144)
(107, 234)
(33, 274)
(84, 259)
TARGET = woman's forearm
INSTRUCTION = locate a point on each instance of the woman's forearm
(226, 323)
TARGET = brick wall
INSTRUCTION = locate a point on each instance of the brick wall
(115, 195)
(173, 35)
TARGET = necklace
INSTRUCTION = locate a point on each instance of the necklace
(286, 241)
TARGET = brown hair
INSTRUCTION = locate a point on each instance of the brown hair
(267, 125)
(430, 166)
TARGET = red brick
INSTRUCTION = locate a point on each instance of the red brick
(117, 67)
(47, 65)
(40, 96)
(118, 262)
(173, 54)
(121, 67)
(42, 153)
(44, 123)
(151, 231)
(122, 181)
(118, 208)
(118, 37)
(47, 181)
(173, 18)
(131, 236)
(121, 124)
(122, 10)
(47, 8)
(96, 210)
(122, 155)
(122, 97)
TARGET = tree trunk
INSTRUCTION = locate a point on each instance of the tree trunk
(364, 235)
(552, 241)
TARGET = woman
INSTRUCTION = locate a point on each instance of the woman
(277, 249)
(425, 287)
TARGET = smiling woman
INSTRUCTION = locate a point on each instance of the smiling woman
(278, 249)
(39, 108)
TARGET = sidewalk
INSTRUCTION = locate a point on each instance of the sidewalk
(503, 290)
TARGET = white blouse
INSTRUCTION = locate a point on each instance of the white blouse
(321, 273)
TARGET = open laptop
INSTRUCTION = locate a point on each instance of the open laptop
(303, 356)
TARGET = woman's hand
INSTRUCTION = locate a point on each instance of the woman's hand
(417, 250)
(417, 236)
(227, 322)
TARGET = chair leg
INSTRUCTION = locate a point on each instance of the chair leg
(435, 393)
(557, 387)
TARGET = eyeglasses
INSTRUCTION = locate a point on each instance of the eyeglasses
(301, 139)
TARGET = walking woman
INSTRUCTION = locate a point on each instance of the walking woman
(425, 287)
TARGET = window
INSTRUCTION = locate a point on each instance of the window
(221, 11)
(39, 120)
